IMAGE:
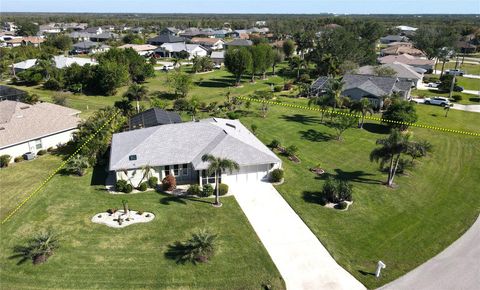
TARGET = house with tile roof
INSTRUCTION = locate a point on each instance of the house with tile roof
(30, 128)
(374, 88)
(417, 62)
(177, 149)
(402, 71)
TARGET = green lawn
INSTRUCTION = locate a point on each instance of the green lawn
(468, 83)
(469, 68)
(432, 206)
(93, 256)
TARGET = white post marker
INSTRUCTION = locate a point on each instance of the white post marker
(380, 266)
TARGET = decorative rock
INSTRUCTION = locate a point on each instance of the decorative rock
(120, 220)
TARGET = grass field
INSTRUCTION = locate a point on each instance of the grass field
(468, 83)
(432, 206)
(469, 68)
(94, 256)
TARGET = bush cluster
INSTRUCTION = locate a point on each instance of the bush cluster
(123, 186)
(169, 183)
(336, 191)
(152, 182)
(276, 175)
(18, 159)
(4, 160)
(143, 186)
(194, 189)
(222, 189)
(207, 190)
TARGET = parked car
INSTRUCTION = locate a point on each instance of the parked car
(455, 72)
(433, 85)
(217, 66)
(458, 89)
(441, 101)
(168, 67)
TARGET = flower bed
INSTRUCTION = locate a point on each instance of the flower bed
(118, 219)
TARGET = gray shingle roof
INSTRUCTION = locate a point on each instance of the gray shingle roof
(240, 42)
(154, 117)
(402, 70)
(187, 143)
(165, 38)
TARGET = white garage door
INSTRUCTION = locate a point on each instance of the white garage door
(248, 174)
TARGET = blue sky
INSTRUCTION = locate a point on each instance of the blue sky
(247, 6)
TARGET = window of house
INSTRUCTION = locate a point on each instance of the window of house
(38, 144)
(176, 170)
(185, 169)
(166, 170)
(207, 179)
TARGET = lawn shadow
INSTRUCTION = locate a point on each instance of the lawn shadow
(165, 95)
(313, 197)
(358, 176)
(376, 128)
(365, 273)
(177, 252)
(168, 199)
(474, 99)
(316, 136)
(302, 119)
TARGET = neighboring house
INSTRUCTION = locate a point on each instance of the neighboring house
(218, 57)
(50, 28)
(374, 88)
(403, 72)
(141, 49)
(393, 38)
(406, 30)
(10, 26)
(94, 30)
(401, 49)
(191, 33)
(180, 50)
(12, 94)
(137, 30)
(153, 117)
(466, 47)
(221, 33)
(417, 62)
(177, 150)
(170, 30)
(165, 38)
(27, 40)
(88, 46)
(238, 43)
(59, 60)
(30, 128)
(210, 43)
(103, 36)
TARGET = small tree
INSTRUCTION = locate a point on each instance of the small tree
(364, 107)
(181, 83)
(238, 61)
(264, 97)
(217, 166)
(77, 165)
(400, 114)
(341, 124)
(136, 93)
(38, 249)
(322, 102)
(291, 151)
(288, 48)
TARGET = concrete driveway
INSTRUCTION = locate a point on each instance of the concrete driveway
(457, 267)
(301, 259)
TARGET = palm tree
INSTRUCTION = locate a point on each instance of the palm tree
(364, 107)
(296, 63)
(218, 166)
(147, 173)
(77, 165)
(390, 151)
(136, 93)
(193, 106)
(38, 249)
(334, 92)
(322, 102)
(45, 63)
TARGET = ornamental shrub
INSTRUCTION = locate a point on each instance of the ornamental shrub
(128, 188)
(169, 183)
(152, 182)
(18, 159)
(207, 190)
(42, 152)
(275, 143)
(222, 189)
(143, 186)
(120, 185)
(276, 175)
(341, 205)
(4, 160)
(194, 189)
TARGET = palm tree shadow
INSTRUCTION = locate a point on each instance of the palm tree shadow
(313, 197)
(169, 199)
(177, 252)
(316, 136)
(302, 119)
(365, 273)
(358, 176)
(22, 253)
(376, 128)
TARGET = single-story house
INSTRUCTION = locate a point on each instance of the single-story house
(177, 49)
(466, 47)
(171, 30)
(210, 43)
(153, 117)
(358, 86)
(195, 32)
(59, 60)
(141, 49)
(406, 30)
(94, 29)
(403, 72)
(393, 38)
(221, 33)
(88, 46)
(239, 42)
(177, 149)
(27, 40)
(401, 49)
(218, 57)
(30, 128)
(165, 38)
(104, 36)
(417, 62)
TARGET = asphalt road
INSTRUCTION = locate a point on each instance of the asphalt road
(456, 268)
